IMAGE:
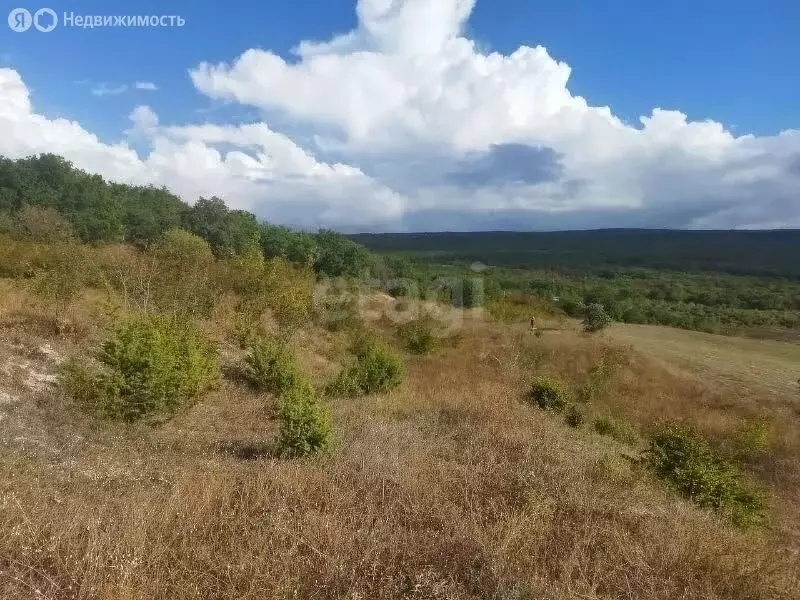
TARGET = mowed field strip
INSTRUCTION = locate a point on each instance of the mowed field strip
(746, 364)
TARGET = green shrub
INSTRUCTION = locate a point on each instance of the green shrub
(340, 313)
(305, 424)
(617, 429)
(574, 417)
(153, 367)
(753, 439)
(595, 318)
(685, 459)
(549, 393)
(345, 384)
(271, 366)
(419, 335)
(79, 382)
(181, 274)
(377, 370)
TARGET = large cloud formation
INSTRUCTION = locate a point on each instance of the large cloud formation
(414, 127)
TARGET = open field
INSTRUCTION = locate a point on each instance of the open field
(767, 366)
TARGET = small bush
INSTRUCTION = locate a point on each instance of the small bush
(549, 393)
(290, 292)
(182, 265)
(685, 459)
(753, 440)
(153, 367)
(305, 424)
(79, 382)
(574, 417)
(617, 429)
(271, 366)
(345, 384)
(377, 370)
(419, 335)
(340, 315)
(595, 318)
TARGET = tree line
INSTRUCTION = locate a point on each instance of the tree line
(46, 198)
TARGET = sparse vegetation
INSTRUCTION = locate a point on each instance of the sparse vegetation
(419, 335)
(681, 456)
(549, 393)
(753, 439)
(305, 424)
(617, 428)
(153, 367)
(595, 318)
(448, 488)
(272, 367)
(377, 370)
(574, 417)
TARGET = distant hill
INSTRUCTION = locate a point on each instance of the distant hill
(775, 252)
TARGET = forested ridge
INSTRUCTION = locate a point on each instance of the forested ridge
(773, 252)
(45, 197)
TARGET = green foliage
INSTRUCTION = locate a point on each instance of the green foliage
(338, 256)
(274, 285)
(272, 366)
(340, 313)
(574, 417)
(595, 318)
(739, 252)
(618, 429)
(419, 335)
(685, 459)
(182, 274)
(80, 383)
(153, 368)
(625, 271)
(305, 425)
(289, 292)
(295, 246)
(753, 439)
(98, 211)
(377, 370)
(549, 393)
(520, 306)
(64, 274)
(228, 232)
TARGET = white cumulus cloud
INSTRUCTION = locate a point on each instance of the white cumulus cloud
(405, 123)
(251, 166)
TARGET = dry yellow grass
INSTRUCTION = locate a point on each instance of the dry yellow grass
(447, 488)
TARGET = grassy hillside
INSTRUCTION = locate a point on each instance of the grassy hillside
(196, 405)
(450, 486)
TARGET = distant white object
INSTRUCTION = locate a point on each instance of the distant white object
(478, 267)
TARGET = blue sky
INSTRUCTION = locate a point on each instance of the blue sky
(734, 63)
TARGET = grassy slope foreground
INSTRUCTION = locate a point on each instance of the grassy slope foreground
(448, 487)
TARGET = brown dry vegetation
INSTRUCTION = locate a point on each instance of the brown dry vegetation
(447, 488)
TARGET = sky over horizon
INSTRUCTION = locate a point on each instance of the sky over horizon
(427, 115)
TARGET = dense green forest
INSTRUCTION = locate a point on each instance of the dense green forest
(739, 252)
(715, 281)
